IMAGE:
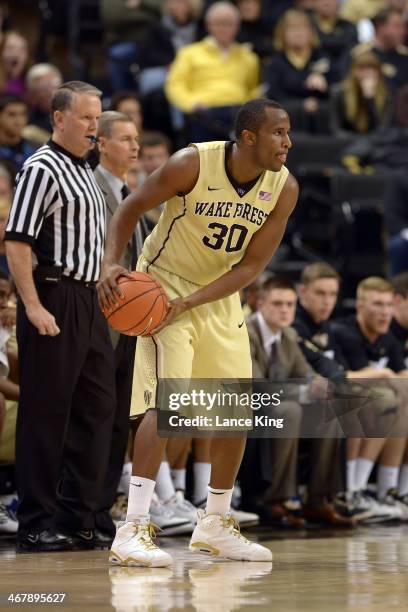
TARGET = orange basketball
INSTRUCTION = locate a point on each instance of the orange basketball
(143, 308)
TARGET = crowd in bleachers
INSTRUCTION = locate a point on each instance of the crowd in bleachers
(181, 69)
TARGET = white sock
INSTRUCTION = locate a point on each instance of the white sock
(351, 474)
(202, 474)
(140, 495)
(218, 501)
(179, 479)
(362, 473)
(387, 478)
(164, 484)
(124, 482)
(403, 480)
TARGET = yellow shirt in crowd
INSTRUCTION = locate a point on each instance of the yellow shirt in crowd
(203, 73)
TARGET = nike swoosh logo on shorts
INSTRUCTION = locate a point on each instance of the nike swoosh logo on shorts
(241, 324)
(213, 188)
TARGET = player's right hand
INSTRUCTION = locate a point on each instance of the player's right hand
(108, 290)
(43, 320)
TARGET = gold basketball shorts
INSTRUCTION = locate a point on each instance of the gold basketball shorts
(209, 342)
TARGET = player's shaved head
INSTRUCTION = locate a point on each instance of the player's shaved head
(253, 114)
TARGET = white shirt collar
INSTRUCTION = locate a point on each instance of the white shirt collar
(114, 182)
(267, 335)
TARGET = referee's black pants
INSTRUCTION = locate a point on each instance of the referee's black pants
(124, 364)
(67, 401)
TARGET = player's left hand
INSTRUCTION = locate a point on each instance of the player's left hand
(176, 308)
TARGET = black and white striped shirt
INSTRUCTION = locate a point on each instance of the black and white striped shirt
(59, 209)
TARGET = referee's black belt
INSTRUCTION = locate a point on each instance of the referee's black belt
(52, 275)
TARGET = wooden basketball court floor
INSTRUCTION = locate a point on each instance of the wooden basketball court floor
(324, 571)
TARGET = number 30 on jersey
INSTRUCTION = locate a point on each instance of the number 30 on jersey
(232, 237)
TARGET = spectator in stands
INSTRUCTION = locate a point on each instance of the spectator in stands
(371, 349)
(299, 74)
(399, 328)
(42, 82)
(127, 27)
(251, 296)
(177, 28)
(180, 20)
(337, 36)
(13, 63)
(9, 393)
(361, 13)
(13, 119)
(399, 324)
(255, 29)
(128, 102)
(276, 355)
(388, 45)
(210, 79)
(6, 196)
(396, 220)
(155, 150)
(382, 151)
(318, 293)
(361, 103)
(354, 10)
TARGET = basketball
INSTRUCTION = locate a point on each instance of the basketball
(143, 307)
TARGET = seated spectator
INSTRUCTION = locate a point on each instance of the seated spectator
(42, 81)
(250, 296)
(210, 79)
(369, 346)
(396, 220)
(388, 46)
(399, 323)
(361, 103)
(399, 328)
(180, 20)
(128, 103)
(337, 36)
(362, 12)
(6, 195)
(126, 24)
(13, 119)
(13, 63)
(9, 393)
(255, 29)
(269, 488)
(318, 292)
(299, 74)
(383, 150)
(354, 10)
(155, 150)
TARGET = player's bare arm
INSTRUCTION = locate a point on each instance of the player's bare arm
(178, 175)
(258, 254)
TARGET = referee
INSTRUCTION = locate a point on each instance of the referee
(55, 240)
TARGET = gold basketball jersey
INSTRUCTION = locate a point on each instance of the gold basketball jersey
(202, 234)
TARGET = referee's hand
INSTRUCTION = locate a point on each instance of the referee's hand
(43, 320)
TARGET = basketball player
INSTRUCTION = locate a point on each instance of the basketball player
(227, 205)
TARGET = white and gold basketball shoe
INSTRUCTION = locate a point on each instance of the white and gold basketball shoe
(133, 546)
(219, 536)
